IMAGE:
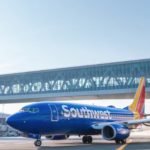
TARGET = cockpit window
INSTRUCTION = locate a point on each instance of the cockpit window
(31, 110)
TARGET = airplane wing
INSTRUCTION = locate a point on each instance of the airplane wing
(137, 122)
(99, 126)
(146, 115)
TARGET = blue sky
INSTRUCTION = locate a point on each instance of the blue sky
(44, 34)
(60, 33)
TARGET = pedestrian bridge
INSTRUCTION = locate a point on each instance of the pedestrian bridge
(117, 80)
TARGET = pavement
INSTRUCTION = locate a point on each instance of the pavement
(138, 141)
(73, 144)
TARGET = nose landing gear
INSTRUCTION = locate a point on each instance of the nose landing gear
(38, 142)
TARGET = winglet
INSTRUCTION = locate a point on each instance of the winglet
(137, 107)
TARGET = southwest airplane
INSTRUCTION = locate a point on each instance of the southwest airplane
(58, 120)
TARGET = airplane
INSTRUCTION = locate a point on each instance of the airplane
(59, 120)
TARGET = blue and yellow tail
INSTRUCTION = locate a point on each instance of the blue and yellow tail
(138, 105)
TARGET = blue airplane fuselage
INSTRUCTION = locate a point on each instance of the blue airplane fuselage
(49, 118)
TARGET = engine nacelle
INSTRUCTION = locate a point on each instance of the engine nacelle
(115, 132)
(57, 137)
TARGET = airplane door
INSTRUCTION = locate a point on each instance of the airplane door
(54, 112)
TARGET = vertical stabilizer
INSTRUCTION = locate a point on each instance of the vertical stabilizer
(137, 107)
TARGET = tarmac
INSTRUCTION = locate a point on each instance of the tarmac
(133, 143)
(138, 140)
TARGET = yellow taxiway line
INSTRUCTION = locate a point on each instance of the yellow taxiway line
(122, 147)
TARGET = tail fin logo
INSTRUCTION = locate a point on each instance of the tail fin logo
(137, 107)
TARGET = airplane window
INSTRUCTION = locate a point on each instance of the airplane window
(36, 110)
(25, 109)
(31, 110)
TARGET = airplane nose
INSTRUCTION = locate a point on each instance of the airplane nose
(17, 121)
(14, 121)
(22, 122)
(11, 120)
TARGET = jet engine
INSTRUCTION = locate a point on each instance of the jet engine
(57, 137)
(115, 132)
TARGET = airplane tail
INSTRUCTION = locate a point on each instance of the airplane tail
(138, 105)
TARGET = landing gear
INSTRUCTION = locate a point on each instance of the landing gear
(87, 139)
(38, 143)
(120, 141)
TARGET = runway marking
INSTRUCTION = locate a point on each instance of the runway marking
(122, 147)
